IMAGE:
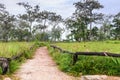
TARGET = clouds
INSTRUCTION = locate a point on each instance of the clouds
(50, 2)
(62, 7)
(110, 6)
(12, 7)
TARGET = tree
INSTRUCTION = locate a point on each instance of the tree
(85, 11)
(116, 25)
(30, 16)
(22, 32)
(42, 36)
(43, 19)
(105, 29)
(38, 20)
(6, 21)
(77, 29)
(56, 33)
(55, 19)
(94, 33)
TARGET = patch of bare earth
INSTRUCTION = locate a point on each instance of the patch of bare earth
(42, 67)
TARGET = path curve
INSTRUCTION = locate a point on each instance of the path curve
(41, 67)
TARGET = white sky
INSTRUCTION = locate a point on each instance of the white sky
(63, 7)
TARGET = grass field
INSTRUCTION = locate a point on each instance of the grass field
(13, 48)
(105, 46)
(88, 64)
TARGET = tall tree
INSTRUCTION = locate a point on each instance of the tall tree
(56, 33)
(85, 11)
(6, 21)
(30, 15)
(77, 29)
(94, 33)
(116, 25)
(106, 27)
(22, 32)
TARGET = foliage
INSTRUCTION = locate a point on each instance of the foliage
(56, 33)
(77, 29)
(116, 30)
(6, 23)
(83, 17)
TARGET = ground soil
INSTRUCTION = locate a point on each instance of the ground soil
(42, 67)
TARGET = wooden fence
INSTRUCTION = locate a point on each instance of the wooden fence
(75, 54)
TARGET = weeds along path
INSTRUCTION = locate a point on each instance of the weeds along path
(41, 67)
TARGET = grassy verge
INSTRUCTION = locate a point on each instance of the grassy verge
(14, 48)
(88, 64)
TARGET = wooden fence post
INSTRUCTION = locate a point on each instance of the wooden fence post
(75, 58)
(4, 63)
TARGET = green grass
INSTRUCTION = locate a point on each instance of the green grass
(88, 65)
(13, 48)
(105, 46)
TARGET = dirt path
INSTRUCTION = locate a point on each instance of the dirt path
(42, 67)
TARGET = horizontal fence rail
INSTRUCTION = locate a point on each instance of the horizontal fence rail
(98, 54)
(61, 50)
(75, 54)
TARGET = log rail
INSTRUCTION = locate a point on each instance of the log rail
(76, 54)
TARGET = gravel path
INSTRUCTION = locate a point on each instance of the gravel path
(42, 67)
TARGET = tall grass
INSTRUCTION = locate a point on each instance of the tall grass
(13, 48)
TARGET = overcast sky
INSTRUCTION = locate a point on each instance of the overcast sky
(62, 7)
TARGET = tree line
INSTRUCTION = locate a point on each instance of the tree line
(85, 24)
(29, 26)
